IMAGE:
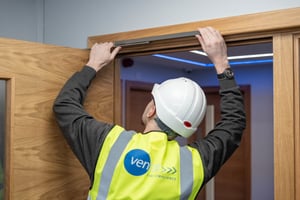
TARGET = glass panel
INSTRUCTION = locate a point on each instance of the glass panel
(2, 134)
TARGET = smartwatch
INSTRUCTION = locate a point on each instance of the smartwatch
(226, 75)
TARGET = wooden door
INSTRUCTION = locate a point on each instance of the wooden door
(233, 181)
(39, 163)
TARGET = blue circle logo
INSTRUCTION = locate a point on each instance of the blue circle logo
(137, 162)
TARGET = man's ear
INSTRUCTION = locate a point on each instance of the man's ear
(152, 111)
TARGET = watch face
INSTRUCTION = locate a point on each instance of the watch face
(228, 73)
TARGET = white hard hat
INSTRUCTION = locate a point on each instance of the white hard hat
(180, 105)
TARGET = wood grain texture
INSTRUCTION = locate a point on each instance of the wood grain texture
(297, 113)
(284, 155)
(10, 93)
(41, 163)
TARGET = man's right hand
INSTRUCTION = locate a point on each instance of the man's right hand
(101, 55)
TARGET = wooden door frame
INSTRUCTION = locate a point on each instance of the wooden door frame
(280, 27)
(9, 100)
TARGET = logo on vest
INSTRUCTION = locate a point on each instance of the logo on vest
(137, 162)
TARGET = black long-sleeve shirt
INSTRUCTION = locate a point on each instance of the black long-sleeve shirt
(86, 135)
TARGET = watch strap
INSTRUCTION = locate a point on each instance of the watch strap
(227, 74)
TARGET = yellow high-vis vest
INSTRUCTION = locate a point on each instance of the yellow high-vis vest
(145, 166)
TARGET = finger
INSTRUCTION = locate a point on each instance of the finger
(109, 45)
(199, 37)
(204, 37)
(115, 51)
(94, 45)
(201, 32)
(215, 34)
(204, 32)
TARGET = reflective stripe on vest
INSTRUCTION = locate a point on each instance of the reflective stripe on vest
(111, 163)
(115, 145)
(186, 173)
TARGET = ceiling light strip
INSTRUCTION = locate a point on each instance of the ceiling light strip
(245, 62)
(250, 56)
(237, 57)
(180, 60)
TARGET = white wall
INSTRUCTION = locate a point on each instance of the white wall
(70, 22)
(22, 19)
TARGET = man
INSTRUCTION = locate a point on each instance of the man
(151, 165)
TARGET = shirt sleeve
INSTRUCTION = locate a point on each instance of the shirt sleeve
(84, 134)
(224, 139)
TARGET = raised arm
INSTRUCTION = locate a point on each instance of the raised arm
(225, 138)
(83, 133)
